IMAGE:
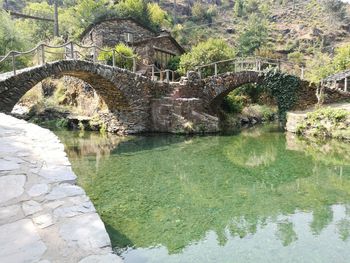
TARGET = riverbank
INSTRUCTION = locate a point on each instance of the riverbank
(44, 216)
(328, 121)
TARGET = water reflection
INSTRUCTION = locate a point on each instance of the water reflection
(259, 196)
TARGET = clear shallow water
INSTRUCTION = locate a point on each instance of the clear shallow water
(259, 196)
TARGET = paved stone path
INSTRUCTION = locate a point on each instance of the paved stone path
(44, 216)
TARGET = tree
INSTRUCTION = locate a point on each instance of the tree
(254, 35)
(11, 38)
(38, 30)
(158, 16)
(319, 67)
(206, 52)
(75, 19)
(133, 8)
(341, 60)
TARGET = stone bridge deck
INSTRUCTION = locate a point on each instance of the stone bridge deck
(138, 104)
(44, 216)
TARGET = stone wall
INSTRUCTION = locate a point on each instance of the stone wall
(307, 96)
(111, 32)
(146, 48)
(44, 215)
(125, 93)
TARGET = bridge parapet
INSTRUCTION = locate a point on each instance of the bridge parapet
(44, 53)
(257, 64)
(339, 81)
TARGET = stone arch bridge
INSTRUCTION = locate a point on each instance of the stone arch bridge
(138, 104)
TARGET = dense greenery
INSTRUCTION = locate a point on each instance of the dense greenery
(204, 53)
(123, 56)
(11, 37)
(283, 88)
(254, 35)
(326, 122)
(322, 65)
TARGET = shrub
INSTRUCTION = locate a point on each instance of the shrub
(206, 52)
(122, 56)
(158, 16)
(233, 103)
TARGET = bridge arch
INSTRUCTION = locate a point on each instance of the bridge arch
(216, 88)
(126, 94)
(117, 87)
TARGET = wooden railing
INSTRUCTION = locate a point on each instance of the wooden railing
(68, 51)
(258, 64)
(72, 51)
(338, 81)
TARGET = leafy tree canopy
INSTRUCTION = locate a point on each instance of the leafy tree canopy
(206, 52)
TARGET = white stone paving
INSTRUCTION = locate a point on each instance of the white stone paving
(44, 216)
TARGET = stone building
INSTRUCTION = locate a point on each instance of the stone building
(152, 47)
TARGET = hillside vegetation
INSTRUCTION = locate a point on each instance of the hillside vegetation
(310, 32)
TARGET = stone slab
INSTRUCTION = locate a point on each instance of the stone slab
(11, 186)
(20, 242)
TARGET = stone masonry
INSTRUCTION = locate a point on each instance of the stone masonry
(44, 216)
(137, 104)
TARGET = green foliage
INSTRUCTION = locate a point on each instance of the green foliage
(254, 35)
(38, 30)
(319, 67)
(341, 60)
(296, 57)
(206, 52)
(322, 65)
(238, 8)
(333, 115)
(11, 38)
(232, 103)
(62, 123)
(326, 122)
(283, 88)
(204, 13)
(121, 52)
(174, 63)
(133, 8)
(157, 16)
(252, 91)
(75, 19)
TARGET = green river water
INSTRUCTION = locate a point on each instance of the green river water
(258, 196)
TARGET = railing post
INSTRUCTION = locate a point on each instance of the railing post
(14, 64)
(42, 54)
(200, 74)
(113, 58)
(134, 64)
(172, 76)
(161, 75)
(346, 85)
(216, 69)
(38, 55)
(153, 72)
(167, 75)
(71, 50)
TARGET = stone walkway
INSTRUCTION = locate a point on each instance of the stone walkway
(44, 216)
